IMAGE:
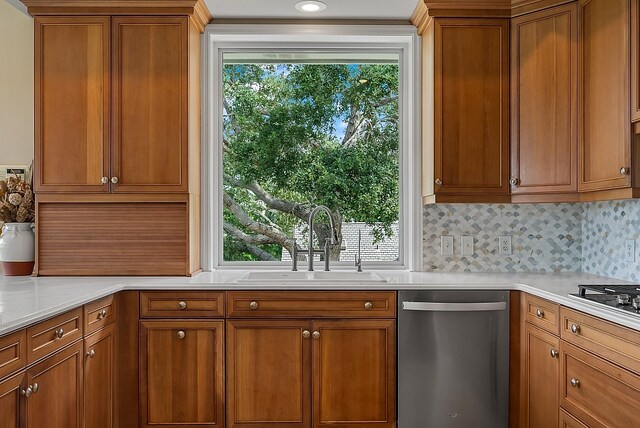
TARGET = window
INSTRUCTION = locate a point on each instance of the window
(297, 120)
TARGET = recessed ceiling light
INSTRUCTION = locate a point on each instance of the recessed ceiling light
(310, 6)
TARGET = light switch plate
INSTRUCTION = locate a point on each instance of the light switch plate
(466, 245)
(446, 245)
(504, 245)
(630, 250)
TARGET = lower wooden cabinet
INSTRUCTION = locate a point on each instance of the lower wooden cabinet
(55, 391)
(99, 367)
(542, 371)
(181, 373)
(10, 401)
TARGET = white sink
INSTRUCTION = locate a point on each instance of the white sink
(288, 277)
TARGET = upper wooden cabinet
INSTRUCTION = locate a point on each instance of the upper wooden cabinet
(112, 104)
(469, 77)
(544, 103)
(72, 116)
(604, 95)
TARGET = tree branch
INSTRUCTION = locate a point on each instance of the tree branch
(239, 235)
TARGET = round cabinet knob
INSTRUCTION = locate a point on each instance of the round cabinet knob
(554, 353)
(316, 335)
(624, 170)
(182, 305)
(102, 314)
(575, 328)
(438, 182)
(91, 353)
(181, 334)
(253, 306)
(514, 181)
(27, 392)
(575, 383)
(104, 180)
(114, 180)
(540, 313)
(58, 333)
(35, 388)
(306, 334)
(368, 306)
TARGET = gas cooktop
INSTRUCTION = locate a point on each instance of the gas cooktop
(624, 298)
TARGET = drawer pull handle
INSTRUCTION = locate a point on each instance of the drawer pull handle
(182, 305)
(624, 170)
(306, 334)
(181, 334)
(35, 388)
(58, 334)
(316, 335)
(554, 353)
(575, 329)
(102, 314)
(91, 353)
(253, 306)
(368, 306)
(540, 313)
(575, 383)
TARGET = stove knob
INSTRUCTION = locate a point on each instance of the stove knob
(623, 299)
(635, 302)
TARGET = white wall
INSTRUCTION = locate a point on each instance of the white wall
(16, 86)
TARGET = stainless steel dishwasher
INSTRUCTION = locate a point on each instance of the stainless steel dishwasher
(453, 359)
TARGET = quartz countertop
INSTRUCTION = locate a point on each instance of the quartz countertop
(27, 300)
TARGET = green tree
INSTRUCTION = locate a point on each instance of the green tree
(301, 135)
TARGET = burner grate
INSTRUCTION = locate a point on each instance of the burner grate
(632, 289)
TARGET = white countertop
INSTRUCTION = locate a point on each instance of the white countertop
(26, 300)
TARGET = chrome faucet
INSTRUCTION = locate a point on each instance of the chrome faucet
(332, 240)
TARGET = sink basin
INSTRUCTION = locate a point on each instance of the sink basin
(288, 277)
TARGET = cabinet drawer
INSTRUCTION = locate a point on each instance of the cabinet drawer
(287, 304)
(99, 314)
(13, 355)
(53, 334)
(542, 313)
(597, 392)
(568, 421)
(195, 304)
(610, 341)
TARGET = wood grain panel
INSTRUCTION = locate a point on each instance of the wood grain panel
(544, 103)
(13, 352)
(99, 379)
(472, 106)
(43, 338)
(72, 104)
(354, 367)
(99, 314)
(182, 379)
(127, 343)
(606, 396)
(10, 401)
(635, 61)
(568, 421)
(58, 402)
(268, 374)
(150, 104)
(196, 304)
(112, 239)
(604, 94)
(542, 313)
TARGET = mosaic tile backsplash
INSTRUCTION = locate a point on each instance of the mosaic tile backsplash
(545, 237)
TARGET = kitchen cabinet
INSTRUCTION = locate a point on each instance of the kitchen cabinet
(181, 373)
(10, 403)
(635, 60)
(54, 388)
(544, 104)
(99, 378)
(541, 378)
(604, 130)
(469, 79)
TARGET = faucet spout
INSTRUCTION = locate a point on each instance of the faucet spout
(334, 238)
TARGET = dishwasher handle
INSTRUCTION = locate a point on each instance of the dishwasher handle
(454, 307)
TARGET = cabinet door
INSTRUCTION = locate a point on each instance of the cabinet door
(71, 104)
(472, 107)
(181, 373)
(542, 378)
(605, 129)
(99, 379)
(635, 60)
(10, 401)
(268, 374)
(56, 401)
(354, 373)
(150, 89)
(544, 120)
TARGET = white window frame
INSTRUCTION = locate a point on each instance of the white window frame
(220, 38)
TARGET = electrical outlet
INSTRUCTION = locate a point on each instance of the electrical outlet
(446, 245)
(630, 250)
(504, 243)
(466, 245)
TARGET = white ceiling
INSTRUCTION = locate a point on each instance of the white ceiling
(336, 9)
